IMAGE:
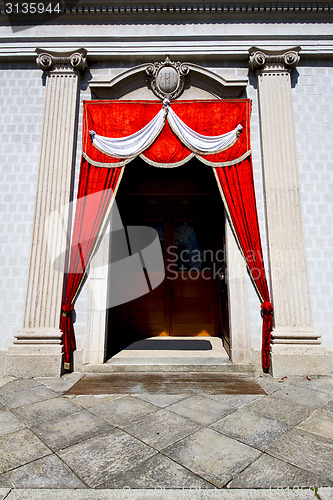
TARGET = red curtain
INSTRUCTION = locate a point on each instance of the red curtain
(235, 179)
(90, 217)
(237, 189)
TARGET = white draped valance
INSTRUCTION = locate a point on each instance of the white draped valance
(198, 143)
(131, 145)
(134, 144)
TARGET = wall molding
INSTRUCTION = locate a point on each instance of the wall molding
(196, 8)
(136, 77)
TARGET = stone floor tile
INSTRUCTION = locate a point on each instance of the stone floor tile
(162, 400)
(280, 409)
(46, 411)
(2, 407)
(60, 384)
(269, 472)
(305, 450)
(19, 448)
(236, 400)
(9, 423)
(26, 396)
(170, 494)
(324, 493)
(201, 409)
(320, 423)
(4, 380)
(328, 406)
(303, 396)
(322, 384)
(18, 384)
(161, 428)
(212, 456)
(99, 459)
(270, 384)
(251, 428)
(3, 493)
(69, 430)
(48, 472)
(91, 400)
(68, 494)
(121, 410)
(157, 472)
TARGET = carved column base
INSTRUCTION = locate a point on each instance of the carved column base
(36, 353)
(292, 360)
(295, 335)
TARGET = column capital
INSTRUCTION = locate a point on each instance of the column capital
(269, 61)
(62, 62)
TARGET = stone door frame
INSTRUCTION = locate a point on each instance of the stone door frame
(121, 87)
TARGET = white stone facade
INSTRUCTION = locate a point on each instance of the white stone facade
(224, 50)
(22, 104)
(313, 112)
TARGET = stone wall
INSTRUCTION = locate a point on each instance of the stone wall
(21, 117)
(313, 110)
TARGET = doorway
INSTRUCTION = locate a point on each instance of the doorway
(184, 206)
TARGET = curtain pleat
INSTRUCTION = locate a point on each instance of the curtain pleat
(95, 197)
(237, 189)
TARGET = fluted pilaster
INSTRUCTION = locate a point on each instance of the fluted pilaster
(41, 334)
(288, 271)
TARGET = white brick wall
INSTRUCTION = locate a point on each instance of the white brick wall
(313, 109)
(21, 111)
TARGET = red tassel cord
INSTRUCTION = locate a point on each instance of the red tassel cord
(267, 325)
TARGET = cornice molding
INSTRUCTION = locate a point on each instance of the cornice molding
(62, 62)
(196, 8)
(142, 48)
(273, 60)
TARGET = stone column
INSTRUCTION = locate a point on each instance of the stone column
(296, 346)
(37, 350)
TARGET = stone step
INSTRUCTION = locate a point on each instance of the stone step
(163, 365)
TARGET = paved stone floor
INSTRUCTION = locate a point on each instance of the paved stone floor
(158, 446)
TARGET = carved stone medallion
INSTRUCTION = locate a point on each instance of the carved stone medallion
(167, 79)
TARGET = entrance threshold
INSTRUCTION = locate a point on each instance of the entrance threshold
(175, 347)
(171, 354)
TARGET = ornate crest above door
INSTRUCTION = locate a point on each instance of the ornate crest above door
(167, 79)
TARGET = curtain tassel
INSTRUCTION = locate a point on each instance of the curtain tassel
(68, 338)
(267, 325)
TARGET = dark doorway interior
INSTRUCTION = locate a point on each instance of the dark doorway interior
(184, 205)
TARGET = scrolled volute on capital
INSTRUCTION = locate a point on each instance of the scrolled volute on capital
(52, 61)
(261, 59)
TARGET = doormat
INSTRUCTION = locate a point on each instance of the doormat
(166, 383)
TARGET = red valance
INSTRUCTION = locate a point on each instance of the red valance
(232, 167)
(123, 118)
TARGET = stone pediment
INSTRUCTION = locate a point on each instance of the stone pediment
(189, 75)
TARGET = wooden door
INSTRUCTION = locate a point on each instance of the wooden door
(191, 285)
(187, 302)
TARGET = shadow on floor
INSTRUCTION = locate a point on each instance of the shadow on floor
(170, 345)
